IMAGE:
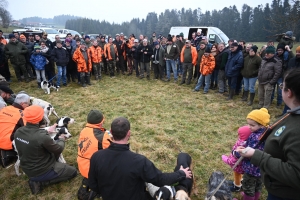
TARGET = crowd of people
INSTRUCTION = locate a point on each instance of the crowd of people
(108, 167)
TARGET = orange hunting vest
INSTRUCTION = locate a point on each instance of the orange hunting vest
(88, 145)
(9, 117)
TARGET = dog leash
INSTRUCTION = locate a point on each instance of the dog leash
(262, 138)
(52, 78)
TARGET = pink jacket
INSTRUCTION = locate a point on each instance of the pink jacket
(232, 159)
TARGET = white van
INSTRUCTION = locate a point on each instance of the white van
(213, 34)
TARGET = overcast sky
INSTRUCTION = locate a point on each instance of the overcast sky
(114, 10)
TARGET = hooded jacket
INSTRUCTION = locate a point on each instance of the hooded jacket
(38, 61)
(207, 65)
(82, 65)
(269, 71)
(16, 52)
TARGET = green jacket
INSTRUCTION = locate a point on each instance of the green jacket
(251, 66)
(200, 54)
(37, 150)
(174, 52)
(280, 161)
(16, 51)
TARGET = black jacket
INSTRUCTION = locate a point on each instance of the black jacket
(135, 53)
(294, 63)
(117, 173)
(119, 45)
(60, 56)
(145, 58)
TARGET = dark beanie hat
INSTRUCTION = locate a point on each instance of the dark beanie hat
(270, 49)
(170, 39)
(280, 46)
(254, 48)
(207, 50)
(95, 117)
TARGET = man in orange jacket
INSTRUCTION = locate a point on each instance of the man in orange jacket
(95, 53)
(91, 139)
(10, 120)
(188, 58)
(111, 55)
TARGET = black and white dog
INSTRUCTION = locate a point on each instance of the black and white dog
(48, 108)
(216, 189)
(45, 85)
(183, 190)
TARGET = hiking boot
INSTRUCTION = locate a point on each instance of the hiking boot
(35, 187)
(231, 94)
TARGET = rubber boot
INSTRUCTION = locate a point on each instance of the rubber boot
(235, 188)
(246, 197)
(231, 94)
(257, 195)
(245, 96)
(39, 85)
(250, 102)
(88, 80)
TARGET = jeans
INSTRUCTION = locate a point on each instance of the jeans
(272, 197)
(249, 84)
(171, 63)
(279, 92)
(285, 55)
(40, 73)
(214, 77)
(232, 82)
(179, 66)
(200, 81)
(61, 73)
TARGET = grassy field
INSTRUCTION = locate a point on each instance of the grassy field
(165, 118)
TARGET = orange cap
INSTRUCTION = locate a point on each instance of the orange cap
(33, 114)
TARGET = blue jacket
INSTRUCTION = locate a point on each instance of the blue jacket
(38, 61)
(234, 64)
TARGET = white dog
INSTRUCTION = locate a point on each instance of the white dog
(45, 85)
(48, 108)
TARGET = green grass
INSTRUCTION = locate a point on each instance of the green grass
(165, 118)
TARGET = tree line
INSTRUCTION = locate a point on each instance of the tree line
(58, 20)
(250, 24)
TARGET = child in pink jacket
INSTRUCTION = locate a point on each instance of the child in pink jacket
(243, 133)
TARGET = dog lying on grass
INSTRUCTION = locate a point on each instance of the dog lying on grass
(182, 190)
(223, 192)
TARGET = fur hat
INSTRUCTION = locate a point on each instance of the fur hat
(298, 49)
(33, 114)
(270, 49)
(254, 48)
(244, 132)
(95, 117)
(261, 116)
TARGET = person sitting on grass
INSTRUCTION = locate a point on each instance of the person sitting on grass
(91, 139)
(38, 152)
(118, 173)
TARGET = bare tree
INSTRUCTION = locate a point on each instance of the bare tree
(5, 14)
